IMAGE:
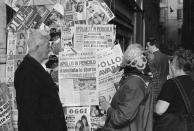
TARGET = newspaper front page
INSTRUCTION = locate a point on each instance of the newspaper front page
(108, 62)
(80, 65)
(93, 38)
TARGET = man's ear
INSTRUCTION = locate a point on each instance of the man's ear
(37, 47)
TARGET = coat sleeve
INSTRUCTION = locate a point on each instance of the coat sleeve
(28, 97)
(131, 97)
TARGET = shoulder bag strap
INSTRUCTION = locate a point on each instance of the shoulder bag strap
(147, 92)
(184, 95)
(141, 79)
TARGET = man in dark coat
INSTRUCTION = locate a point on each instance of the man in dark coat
(39, 106)
(159, 67)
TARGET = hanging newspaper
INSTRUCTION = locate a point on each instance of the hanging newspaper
(79, 11)
(97, 117)
(68, 13)
(78, 92)
(21, 45)
(98, 12)
(15, 119)
(16, 4)
(17, 44)
(108, 62)
(11, 66)
(93, 38)
(10, 72)
(3, 73)
(80, 65)
(28, 17)
(5, 110)
(75, 12)
(12, 98)
(67, 37)
(11, 45)
(54, 19)
(78, 118)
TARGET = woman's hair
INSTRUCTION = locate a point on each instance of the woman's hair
(84, 117)
(81, 128)
(184, 60)
(134, 57)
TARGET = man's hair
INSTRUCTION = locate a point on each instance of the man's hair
(153, 41)
(35, 37)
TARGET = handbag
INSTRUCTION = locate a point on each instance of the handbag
(176, 122)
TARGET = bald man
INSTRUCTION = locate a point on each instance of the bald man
(39, 106)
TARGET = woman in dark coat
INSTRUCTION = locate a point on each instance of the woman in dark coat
(170, 100)
(130, 106)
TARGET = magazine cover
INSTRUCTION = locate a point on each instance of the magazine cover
(78, 118)
(98, 12)
(28, 17)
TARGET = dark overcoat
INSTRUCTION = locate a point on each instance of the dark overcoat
(159, 67)
(39, 106)
(130, 107)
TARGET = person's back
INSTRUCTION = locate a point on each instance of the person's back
(159, 67)
(170, 89)
(171, 108)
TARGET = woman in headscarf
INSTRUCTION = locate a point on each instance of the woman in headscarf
(130, 106)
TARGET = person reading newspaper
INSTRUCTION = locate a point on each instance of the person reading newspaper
(39, 106)
(130, 108)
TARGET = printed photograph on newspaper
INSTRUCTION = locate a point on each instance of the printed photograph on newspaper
(80, 9)
(78, 91)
